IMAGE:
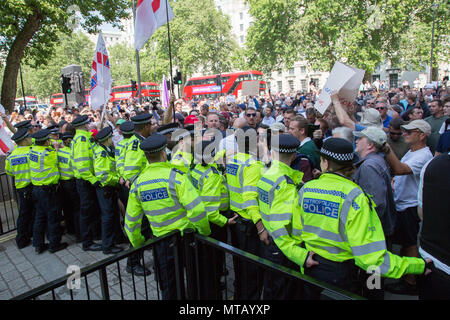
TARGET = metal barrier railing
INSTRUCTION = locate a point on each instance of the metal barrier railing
(9, 206)
(188, 262)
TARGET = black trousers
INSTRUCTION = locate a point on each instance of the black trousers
(165, 270)
(249, 278)
(88, 212)
(70, 205)
(25, 219)
(107, 199)
(339, 274)
(47, 217)
(277, 287)
(435, 286)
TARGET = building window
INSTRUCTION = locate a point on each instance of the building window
(393, 80)
(242, 39)
(303, 84)
(241, 27)
(241, 15)
(303, 69)
(291, 84)
(280, 86)
(291, 71)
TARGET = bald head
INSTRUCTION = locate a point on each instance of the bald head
(239, 123)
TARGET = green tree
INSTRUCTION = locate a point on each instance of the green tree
(30, 28)
(200, 40)
(361, 33)
(44, 80)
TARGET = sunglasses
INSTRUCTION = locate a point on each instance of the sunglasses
(250, 115)
(380, 108)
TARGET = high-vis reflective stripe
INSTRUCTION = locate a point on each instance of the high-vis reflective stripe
(47, 176)
(131, 168)
(234, 189)
(133, 219)
(332, 250)
(20, 172)
(198, 218)
(211, 198)
(279, 233)
(386, 265)
(264, 179)
(162, 211)
(81, 159)
(296, 232)
(368, 248)
(193, 204)
(250, 189)
(249, 203)
(84, 169)
(132, 229)
(22, 180)
(212, 208)
(168, 222)
(345, 209)
(323, 233)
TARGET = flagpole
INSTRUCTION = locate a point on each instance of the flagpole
(138, 66)
(170, 54)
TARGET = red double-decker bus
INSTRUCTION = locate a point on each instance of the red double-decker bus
(148, 89)
(206, 86)
(57, 99)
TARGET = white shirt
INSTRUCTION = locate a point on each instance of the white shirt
(407, 186)
(268, 121)
(279, 118)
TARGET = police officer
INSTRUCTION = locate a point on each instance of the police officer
(209, 182)
(82, 157)
(17, 165)
(167, 131)
(277, 189)
(183, 158)
(55, 140)
(26, 125)
(127, 130)
(67, 191)
(134, 164)
(44, 177)
(243, 172)
(105, 172)
(340, 226)
(170, 202)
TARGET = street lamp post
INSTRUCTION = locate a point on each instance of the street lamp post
(433, 8)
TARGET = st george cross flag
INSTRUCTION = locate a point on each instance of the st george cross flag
(101, 80)
(150, 15)
(165, 95)
(6, 144)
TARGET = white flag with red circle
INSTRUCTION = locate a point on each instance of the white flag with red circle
(150, 15)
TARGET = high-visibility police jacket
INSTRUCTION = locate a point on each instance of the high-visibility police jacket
(135, 160)
(119, 155)
(82, 156)
(277, 190)
(17, 165)
(105, 166)
(243, 172)
(182, 160)
(65, 164)
(339, 222)
(43, 166)
(209, 183)
(169, 201)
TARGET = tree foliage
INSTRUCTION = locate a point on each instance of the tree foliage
(362, 33)
(30, 28)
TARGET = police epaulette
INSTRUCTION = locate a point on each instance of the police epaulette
(214, 170)
(91, 140)
(135, 145)
(289, 180)
(178, 171)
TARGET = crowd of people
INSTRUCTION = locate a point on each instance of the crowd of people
(327, 194)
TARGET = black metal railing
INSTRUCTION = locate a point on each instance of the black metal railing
(192, 269)
(8, 207)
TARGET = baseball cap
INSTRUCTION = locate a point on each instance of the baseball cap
(191, 119)
(371, 117)
(120, 121)
(375, 134)
(422, 125)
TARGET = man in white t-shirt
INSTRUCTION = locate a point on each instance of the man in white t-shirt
(406, 184)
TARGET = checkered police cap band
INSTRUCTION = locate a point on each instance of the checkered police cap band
(338, 156)
(285, 150)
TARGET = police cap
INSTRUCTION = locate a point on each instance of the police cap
(61, 123)
(21, 134)
(287, 144)
(67, 135)
(104, 134)
(80, 120)
(53, 129)
(143, 118)
(23, 124)
(154, 143)
(168, 128)
(127, 127)
(41, 135)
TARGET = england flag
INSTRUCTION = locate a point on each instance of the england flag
(150, 15)
(101, 80)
